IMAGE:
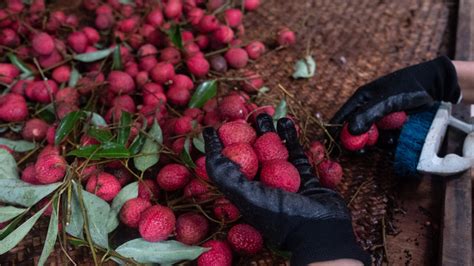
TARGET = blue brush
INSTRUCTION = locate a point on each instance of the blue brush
(411, 140)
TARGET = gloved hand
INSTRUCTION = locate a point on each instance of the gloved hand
(405, 89)
(314, 224)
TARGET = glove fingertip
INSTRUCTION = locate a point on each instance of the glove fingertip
(358, 126)
(264, 124)
(287, 130)
(211, 140)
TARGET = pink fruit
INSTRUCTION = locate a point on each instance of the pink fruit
(191, 228)
(42, 43)
(173, 176)
(162, 72)
(255, 49)
(232, 107)
(155, 18)
(219, 254)
(244, 156)
(233, 17)
(392, 121)
(131, 211)
(236, 57)
(224, 210)
(148, 189)
(251, 5)
(286, 37)
(173, 9)
(77, 41)
(50, 166)
(29, 175)
(208, 23)
(120, 82)
(8, 73)
(270, 147)
(104, 185)
(197, 190)
(253, 82)
(330, 173)
(373, 135)
(198, 65)
(223, 34)
(92, 35)
(42, 91)
(237, 131)
(195, 15)
(183, 125)
(353, 142)
(201, 168)
(317, 152)
(245, 239)
(170, 55)
(35, 130)
(178, 96)
(280, 174)
(156, 223)
(61, 74)
(13, 108)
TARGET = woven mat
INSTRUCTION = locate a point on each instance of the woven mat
(352, 43)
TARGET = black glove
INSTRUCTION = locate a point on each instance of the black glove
(314, 224)
(405, 89)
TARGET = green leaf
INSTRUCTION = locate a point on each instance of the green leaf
(8, 168)
(128, 192)
(124, 128)
(137, 144)
(15, 191)
(105, 151)
(67, 125)
(164, 252)
(84, 151)
(97, 209)
(9, 212)
(19, 233)
(75, 225)
(96, 119)
(262, 91)
(126, 2)
(93, 56)
(16, 127)
(305, 68)
(149, 154)
(204, 92)
(19, 64)
(100, 134)
(74, 77)
(10, 227)
(47, 115)
(199, 143)
(280, 111)
(17, 145)
(52, 234)
(185, 156)
(174, 34)
(117, 63)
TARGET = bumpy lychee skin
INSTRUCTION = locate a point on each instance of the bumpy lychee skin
(191, 228)
(197, 189)
(156, 223)
(173, 177)
(373, 135)
(148, 190)
(392, 121)
(29, 175)
(219, 254)
(223, 34)
(162, 72)
(198, 65)
(50, 166)
(236, 57)
(120, 82)
(224, 210)
(233, 17)
(245, 239)
(201, 168)
(183, 125)
(237, 131)
(104, 185)
(77, 41)
(232, 108)
(131, 211)
(280, 174)
(42, 43)
(8, 72)
(330, 173)
(352, 142)
(13, 108)
(255, 49)
(61, 74)
(317, 152)
(286, 37)
(35, 129)
(251, 5)
(270, 147)
(244, 156)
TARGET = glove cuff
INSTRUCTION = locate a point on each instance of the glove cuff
(325, 241)
(446, 80)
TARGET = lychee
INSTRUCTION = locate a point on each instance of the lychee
(224, 210)
(280, 174)
(178, 96)
(77, 41)
(155, 17)
(232, 107)
(198, 65)
(208, 23)
(131, 211)
(197, 189)
(251, 5)
(156, 223)
(330, 173)
(29, 175)
(62, 74)
(317, 152)
(223, 34)
(104, 185)
(148, 190)
(218, 63)
(191, 228)
(373, 135)
(245, 239)
(183, 125)
(201, 168)
(162, 72)
(236, 57)
(233, 17)
(237, 131)
(120, 82)
(35, 129)
(219, 254)
(353, 142)
(394, 120)
(8, 72)
(270, 147)
(50, 166)
(42, 43)
(13, 108)
(286, 37)
(172, 177)
(255, 49)
(244, 156)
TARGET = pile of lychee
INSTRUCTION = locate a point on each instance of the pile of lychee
(151, 73)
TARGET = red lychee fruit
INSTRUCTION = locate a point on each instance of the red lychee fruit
(330, 173)
(252, 83)
(194, 114)
(120, 82)
(224, 210)
(183, 125)
(104, 185)
(77, 41)
(13, 108)
(29, 175)
(173, 9)
(208, 23)
(156, 223)
(223, 34)
(236, 57)
(237, 131)
(201, 168)
(373, 135)
(317, 152)
(352, 142)
(47, 61)
(173, 176)
(280, 174)
(92, 35)
(394, 120)
(155, 18)
(198, 65)
(61, 74)
(245, 239)
(42, 91)
(148, 190)
(219, 254)
(244, 156)
(233, 17)
(170, 55)
(162, 72)
(255, 49)
(178, 96)
(191, 228)
(232, 107)
(131, 211)
(196, 189)
(50, 166)
(286, 37)
(251, 5)
(195, 15)
(270, 147)
(8, 73)
(35, 129)
(182, 81)
(42, 43)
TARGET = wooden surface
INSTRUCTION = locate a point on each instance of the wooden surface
(465, 34)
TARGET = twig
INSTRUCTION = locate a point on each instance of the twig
(356, 193)
(86, 225)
